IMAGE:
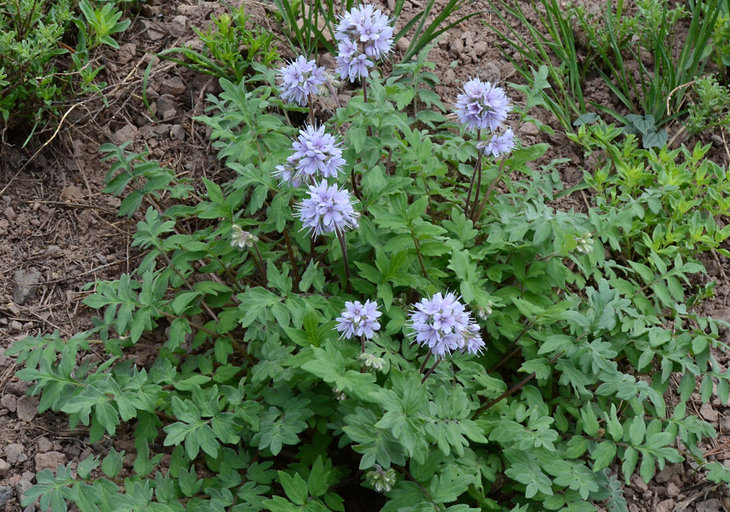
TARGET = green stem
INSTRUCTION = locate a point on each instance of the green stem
(430, 371)
(496, 180)
(425, 360)
(259, 260)
(290, 251)
(471, 182)
(420, 258)
(514, 389)
(478, 172)
(343, 246)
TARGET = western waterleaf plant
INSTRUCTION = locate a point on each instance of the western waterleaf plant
(557, 334)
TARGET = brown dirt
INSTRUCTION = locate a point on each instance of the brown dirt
(60, 231)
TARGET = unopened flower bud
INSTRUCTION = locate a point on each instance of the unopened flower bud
(382, 481)
(584, 244)
(484, 312)
(371, 361)
(339, 394)
(242, 239)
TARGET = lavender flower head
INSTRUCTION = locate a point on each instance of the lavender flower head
(359, 319)
(499, 144)
(443, 325)
(363, 36)
(299, 79)
(482, 105)
(327, 209)
(314, 152)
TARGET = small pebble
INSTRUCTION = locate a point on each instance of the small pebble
(49, 460)
(9, 401)
(672, 490)
(14, 453)
(44, 444)
(709, 413)
(10, 214)
(26, 408)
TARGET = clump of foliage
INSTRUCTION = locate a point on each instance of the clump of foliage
(553, 336)
(310, 26)
(230, 48)
(711, 107)
(573, 42)
(31, 35)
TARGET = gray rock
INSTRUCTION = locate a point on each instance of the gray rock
(6, 494)
(490, 72)
(456, 47)
(153, 33)
(402, 44)
(711, 505)
(480, 48)
(49, 460)
(672, 490)
(4, 468)
(26, 408)
(53, 251)
(26, 282)
(15, 326)
(9, 401)
(529, 129)
(124, 134)
(174, 86)
(638, 483)
(670, 469)
(468, 37)
(722, 314)
(10, 214)
(126, 52)
(177, 132)
(22, 487)
(14, 453)
(709, 413)
(166, 107)
(666, 506)
(178, 26)
(449, 76)
(725, 422)
(44, 444)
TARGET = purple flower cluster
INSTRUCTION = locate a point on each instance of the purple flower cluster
(363, 36)
(299, 79)
(359, 319)
(314, 152)
(443, 324)
(327, 209)
(499, 144)
(482, 105)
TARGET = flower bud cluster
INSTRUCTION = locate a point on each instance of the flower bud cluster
(242, 239)
(371, 361)
(584, 243)
(381, 480)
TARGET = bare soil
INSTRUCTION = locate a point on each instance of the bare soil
(58, 231)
